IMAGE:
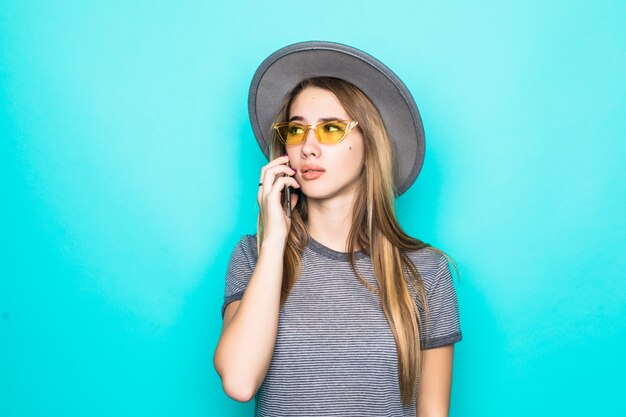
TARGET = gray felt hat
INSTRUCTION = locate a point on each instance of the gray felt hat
(286, 67)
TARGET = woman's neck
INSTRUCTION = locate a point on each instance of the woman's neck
(329, 222)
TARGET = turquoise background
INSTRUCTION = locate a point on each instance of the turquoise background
(129, 171)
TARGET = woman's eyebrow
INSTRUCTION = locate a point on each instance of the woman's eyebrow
(323, 119)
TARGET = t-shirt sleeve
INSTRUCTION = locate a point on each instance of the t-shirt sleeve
(239, 271)
(443, 324)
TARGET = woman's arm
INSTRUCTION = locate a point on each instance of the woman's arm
(433, 398)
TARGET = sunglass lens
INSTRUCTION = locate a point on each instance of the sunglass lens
(290, 133)
(331, 132)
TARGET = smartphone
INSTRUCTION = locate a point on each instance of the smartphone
(288, 200)
(287, 197)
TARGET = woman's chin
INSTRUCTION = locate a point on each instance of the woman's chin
(312, 193)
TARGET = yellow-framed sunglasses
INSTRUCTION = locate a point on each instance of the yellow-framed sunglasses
(328, 133)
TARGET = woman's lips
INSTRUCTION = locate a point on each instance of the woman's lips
(311, 175)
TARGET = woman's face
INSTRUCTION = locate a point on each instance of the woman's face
(342, 162)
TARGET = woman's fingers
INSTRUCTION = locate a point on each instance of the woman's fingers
(279, 185)
(270, 175)
(275, 162)
(274, 173)
(281, 160)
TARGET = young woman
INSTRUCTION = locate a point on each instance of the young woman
(331, 309)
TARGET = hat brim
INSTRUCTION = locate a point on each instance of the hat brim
(285, 68)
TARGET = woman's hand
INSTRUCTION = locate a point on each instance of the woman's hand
(274, 217)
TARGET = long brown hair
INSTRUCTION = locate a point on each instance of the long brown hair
(374, 228)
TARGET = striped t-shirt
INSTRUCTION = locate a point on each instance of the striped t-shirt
(335, 354)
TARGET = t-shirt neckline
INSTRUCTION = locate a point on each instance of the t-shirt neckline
(323, 250)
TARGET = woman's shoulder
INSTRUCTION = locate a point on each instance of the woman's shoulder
(426, 255)
(248, 240)
(246, 247)
(429, 262)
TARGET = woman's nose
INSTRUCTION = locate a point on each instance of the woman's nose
(311, 145)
